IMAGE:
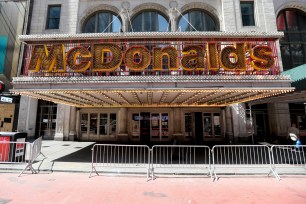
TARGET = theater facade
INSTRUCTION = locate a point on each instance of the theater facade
(137, 84)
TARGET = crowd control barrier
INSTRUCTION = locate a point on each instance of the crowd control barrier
(181, 159)
(120, 157)
(35, 152)
(20, 153)
(242, 159)
(288, 159)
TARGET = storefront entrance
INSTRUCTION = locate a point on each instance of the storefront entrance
(99, 125)
(150, 126)
(203, 126)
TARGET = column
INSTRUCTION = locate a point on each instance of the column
(279, 119)
(60, 118)
(229, 124)
(27, 115)
(72, 124)
(239, 123)
(122, 125)
(65, 123)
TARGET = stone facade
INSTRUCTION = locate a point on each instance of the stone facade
(227, 12)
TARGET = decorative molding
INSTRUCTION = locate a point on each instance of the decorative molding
(90, 11)
(202, 6)
(134, 35)
(291, 5)
(149, 6)
(157, 79)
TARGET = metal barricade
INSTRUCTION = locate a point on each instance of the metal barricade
(15, 153)
(181, 159)
(288, 159)
(35, 152)
(242, 159)
(20, 153)
(115, 157)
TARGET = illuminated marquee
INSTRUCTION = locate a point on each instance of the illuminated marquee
(107, 57)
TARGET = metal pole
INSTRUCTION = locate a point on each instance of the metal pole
(251, 123)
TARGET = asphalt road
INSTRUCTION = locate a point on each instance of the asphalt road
(78, 188)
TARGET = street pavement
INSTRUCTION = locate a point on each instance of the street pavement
(64, 178)
(62, 188)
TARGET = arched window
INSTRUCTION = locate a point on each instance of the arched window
(150, 21)
(199, 19)
(102, 22)
(293, 45)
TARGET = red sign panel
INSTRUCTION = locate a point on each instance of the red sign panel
(4, 148)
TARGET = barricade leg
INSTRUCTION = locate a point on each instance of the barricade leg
(95, 171)
(30, 167)
(274, 173)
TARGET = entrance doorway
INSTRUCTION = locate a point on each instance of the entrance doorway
(203, 126)
(145, 127)
(46, 119)
(198, 125)
(149, 127)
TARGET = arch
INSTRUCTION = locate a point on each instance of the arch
(201, 6)
(152, 10)
(149, 6)
(291, 5)
(291, 21)
(92, 10)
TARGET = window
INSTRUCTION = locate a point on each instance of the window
(102, 22)
(200, 21)
(150, 21)
(293, 46)
(98, 125)
(53, 18)
(247, 13)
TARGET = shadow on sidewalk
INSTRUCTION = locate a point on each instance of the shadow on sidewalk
(81, 155)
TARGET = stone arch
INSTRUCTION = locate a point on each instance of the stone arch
(291, 5)
(202, 6)
(101, 7)
(149, 6)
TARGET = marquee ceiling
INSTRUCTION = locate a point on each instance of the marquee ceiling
(150, 92)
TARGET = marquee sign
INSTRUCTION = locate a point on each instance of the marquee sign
(156, 55)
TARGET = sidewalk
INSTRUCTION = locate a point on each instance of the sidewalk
(61, 156)
(62, 188)
(68, 156)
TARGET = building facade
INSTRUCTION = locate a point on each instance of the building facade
(290, 19)
(12, 19)
(146, 71)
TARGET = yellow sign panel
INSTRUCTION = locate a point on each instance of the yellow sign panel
(107, 57)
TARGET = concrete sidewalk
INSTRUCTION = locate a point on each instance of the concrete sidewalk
(65, 156)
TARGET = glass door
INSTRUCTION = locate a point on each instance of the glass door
(46, 119)
(98, 125)
(188, 125)
(135, 126)
(212, 125)
(159, 126)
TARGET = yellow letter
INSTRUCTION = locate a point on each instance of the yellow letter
(45, 60)
(160, 53)
(233, 58)
(193, 58)
(137, 58)
(262, 57)
(212, 56)
(106, 57)
(79, 59)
